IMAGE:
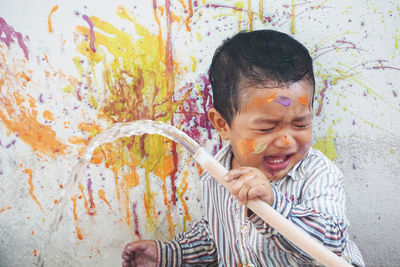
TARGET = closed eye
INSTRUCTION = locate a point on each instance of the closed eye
(266, 130)
(302, 126)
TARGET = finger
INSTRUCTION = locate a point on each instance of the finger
(261, 191)
(236, 173)
(237, 185)
(243, 194)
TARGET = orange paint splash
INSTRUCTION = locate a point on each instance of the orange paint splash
(181, 191)
(77, 229)
(246, 146)
(250, 15)
(23, 122)
(102, 196)
(49, 18)
(303, 100)
(285, 140)
(3, 209)
(47, 115)
(31, 187)
(34, 253)
(260, 101)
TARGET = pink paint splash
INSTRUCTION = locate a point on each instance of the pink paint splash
(283, 100)
(90, 191)
(195, 118)
(91, 33)
(9, 34)
(136, 221)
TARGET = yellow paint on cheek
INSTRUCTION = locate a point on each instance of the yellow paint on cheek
(259, 148)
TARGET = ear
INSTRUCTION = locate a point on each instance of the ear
(219, 123)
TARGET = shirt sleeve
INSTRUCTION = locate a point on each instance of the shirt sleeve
(319, 211)
(195, 247)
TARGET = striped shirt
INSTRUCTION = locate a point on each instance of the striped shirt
(311, 196)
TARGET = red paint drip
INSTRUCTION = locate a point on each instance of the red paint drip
(91, 32)
(136, 221)
(90, 191)
(322, 94)
(9, 33)
(168, 49)
(173, 173)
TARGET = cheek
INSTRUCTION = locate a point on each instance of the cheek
(304, 148)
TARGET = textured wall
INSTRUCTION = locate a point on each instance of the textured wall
(69, 69)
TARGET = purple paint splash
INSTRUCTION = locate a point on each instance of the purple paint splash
(91, 32)
(283, 100)
(9, 33)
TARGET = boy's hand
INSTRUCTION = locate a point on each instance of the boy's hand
(249, 184)
(140, 253)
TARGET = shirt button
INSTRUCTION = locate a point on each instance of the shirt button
(244, 229)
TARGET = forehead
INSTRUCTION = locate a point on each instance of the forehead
(302, 90)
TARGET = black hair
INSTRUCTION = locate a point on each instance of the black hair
(256, 58)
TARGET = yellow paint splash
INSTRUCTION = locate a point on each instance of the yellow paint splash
(292, 17)
(138, 86)
(326, 145)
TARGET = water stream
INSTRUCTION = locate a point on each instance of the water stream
(125, 129)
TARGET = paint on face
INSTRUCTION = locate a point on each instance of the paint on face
(259, 148)
(303, 100)
(260, 101)
(246, 146)
(283, 100)
(286, 140)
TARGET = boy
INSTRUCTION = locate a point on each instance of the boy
(263, 89)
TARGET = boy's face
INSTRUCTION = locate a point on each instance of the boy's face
(273, 130)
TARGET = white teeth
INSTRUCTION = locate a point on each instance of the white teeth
(276, 161)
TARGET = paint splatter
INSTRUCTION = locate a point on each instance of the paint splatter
(283, 100)
(326, 145)
(102, 196)
(303, 100)
(285, 140)
(24, 123)
(49, 18)
(246, 146)
(31, 187)
(259, 148)
(91, 32)
(292, 17)
(77, 228)
(7, 35)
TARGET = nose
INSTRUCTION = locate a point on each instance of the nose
(284, 140)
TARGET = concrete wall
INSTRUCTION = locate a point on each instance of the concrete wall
(70, 69)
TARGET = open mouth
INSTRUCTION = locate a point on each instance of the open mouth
(277, 162)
